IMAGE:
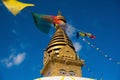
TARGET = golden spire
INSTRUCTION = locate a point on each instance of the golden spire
(60, 58)
(58, 41)
(60, 38)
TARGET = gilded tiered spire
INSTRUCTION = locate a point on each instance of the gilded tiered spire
(60, 58)
(58, 41)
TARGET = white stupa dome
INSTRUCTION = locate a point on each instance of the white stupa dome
(63, 78)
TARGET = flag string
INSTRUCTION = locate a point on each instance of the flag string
(100, 51)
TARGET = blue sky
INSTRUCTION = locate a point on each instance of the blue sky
(22, 44)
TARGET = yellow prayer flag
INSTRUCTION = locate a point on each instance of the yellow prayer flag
(82, 34)
(15, 6)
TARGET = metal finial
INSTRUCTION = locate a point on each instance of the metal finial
(59, 13)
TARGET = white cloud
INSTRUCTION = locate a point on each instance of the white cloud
(77, 46)
(13, 60)
(19, 58)
(70, 30)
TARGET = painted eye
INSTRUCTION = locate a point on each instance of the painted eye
(62, 71)
(71, 73)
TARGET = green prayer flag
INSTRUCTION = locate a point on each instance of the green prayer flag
(41, 23)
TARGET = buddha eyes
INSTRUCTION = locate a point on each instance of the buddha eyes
(62, 71)
(69, 73)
